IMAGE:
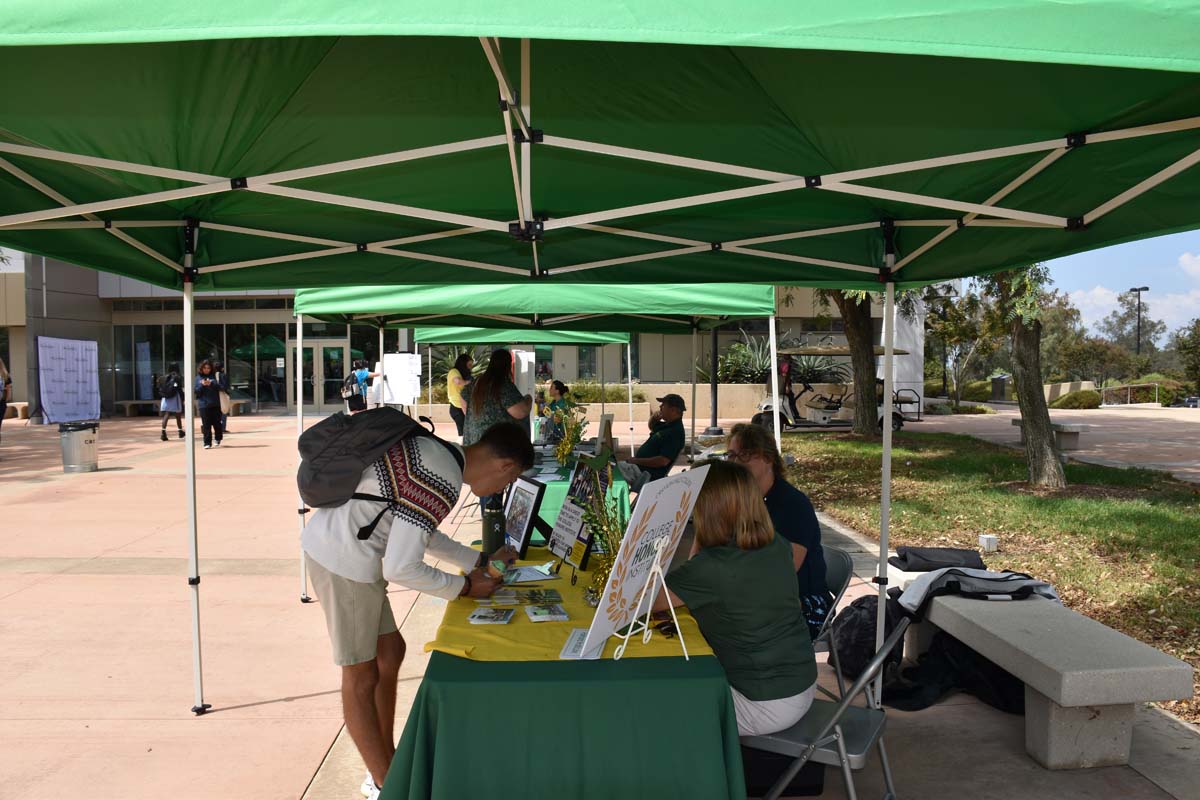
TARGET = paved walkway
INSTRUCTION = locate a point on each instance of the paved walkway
(1165, 439)
(96, 676)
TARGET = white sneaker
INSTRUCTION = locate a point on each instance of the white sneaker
(369, 789)
(218, 442)
(208, 447)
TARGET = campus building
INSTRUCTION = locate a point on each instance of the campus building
(139, 333)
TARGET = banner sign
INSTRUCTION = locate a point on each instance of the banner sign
(68, 379)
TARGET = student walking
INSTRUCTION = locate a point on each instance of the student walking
(170, 389)
(226, 400)
(208, 400)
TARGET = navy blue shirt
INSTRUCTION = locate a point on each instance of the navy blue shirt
(795, 520)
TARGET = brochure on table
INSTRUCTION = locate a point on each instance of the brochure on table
(663, 510)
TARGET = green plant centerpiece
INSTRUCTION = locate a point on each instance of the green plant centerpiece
(607, 525)
(570, 422)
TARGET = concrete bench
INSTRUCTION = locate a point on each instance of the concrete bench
(129, 405)
(1066, 434)
(1083, 680)
(239, 407)
(17, 410)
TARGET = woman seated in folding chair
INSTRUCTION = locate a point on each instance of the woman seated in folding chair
(739, 584)
(791, 512)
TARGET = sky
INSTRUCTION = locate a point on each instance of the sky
(1169, 265)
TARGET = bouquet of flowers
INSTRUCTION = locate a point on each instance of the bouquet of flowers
(569, 423)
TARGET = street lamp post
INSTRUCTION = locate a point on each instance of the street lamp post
(1138, 291)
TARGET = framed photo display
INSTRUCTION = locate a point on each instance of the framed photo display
(521, 512)
(583, 483)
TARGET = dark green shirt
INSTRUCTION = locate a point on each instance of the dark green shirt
(667, 439)
(746, 605)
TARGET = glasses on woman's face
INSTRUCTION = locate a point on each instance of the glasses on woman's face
(740, 456)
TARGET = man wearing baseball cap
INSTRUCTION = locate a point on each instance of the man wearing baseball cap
(656, 455)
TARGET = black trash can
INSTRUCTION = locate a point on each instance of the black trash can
(79, 446)
(1000, 388)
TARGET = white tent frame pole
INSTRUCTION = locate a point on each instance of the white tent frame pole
(382, 370)
(603, 407)
(429, 403)
(1154, 180)
(97, 224)
(491, 49)
(820, 262)
(786, 237)
(775, 377)
(885, 492)
(301, 510)
(940, 202)
(611, 262)
(629, 388)
(692, 456)
(189, 412)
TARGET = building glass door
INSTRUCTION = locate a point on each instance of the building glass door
(323, 376)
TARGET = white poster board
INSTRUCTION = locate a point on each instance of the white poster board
(663, 509)
(403, 386)
(68, 379)
(524, 371)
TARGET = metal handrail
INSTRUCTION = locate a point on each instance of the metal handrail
(1128, 387)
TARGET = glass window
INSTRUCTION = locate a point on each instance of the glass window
(173, 347)
(270, 302)
(633, 355)
(210, 344)
(172, 305)
(269, 366)
(543, 360)
(123, 361)
(364, 343)
(318, 330)
(587, 362)
(147, 359)
(238, 304)
(122, 305)
(239, 344)
(209, 305)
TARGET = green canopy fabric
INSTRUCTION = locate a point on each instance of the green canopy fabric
(514, 336)
(767, 141)
(661, 308)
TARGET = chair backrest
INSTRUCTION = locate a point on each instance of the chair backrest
(839, 567)
(868, 674)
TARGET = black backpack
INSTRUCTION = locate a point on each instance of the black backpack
(168, 385)
(335, 451)
(854, 635)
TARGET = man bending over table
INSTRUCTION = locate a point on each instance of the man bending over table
(654, 458)
(421, 477)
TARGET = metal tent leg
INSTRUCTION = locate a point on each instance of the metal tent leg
(301, 510)
(885, 499)
(629, 389)
(189, 406)
(775, 383)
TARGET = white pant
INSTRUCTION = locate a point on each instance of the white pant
(758, 717)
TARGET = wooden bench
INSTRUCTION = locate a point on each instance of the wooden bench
(1066, 434)
(129, 405)
(1083, 680)
(17, 410)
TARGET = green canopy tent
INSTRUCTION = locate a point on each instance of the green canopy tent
(233, 145)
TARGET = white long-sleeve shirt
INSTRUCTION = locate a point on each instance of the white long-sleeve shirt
(396, 549)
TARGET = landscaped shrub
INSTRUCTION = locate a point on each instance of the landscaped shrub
(589, 392)
(981, 391)
(1086, 398)
(972, 409)
(934, 388)
(938, 409)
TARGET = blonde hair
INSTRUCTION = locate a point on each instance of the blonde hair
(730, 509)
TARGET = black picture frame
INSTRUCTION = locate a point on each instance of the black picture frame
(521, 509)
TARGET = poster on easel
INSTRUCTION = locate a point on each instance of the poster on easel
(663, 510)
(403, 385)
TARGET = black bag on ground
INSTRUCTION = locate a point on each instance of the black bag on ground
(854, 635)
(335, 451)
(761, 769)
(950, 665)
(927, 559)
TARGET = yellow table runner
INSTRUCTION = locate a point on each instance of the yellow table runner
(524, 640)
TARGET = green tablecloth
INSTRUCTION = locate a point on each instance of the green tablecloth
(636, 728)
(556, 495)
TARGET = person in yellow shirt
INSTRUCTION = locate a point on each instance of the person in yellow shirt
(456, 379)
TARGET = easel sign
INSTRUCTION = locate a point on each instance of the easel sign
(663, 510)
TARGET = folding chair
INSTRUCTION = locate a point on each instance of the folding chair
(836, 734)
(839, 569)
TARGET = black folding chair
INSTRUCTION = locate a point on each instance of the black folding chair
(836, 734)
(839, 569)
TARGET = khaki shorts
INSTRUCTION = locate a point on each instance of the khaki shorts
(356, 614)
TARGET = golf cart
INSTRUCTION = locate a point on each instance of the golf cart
(822, 410)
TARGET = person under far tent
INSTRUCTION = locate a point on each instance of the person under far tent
(667, 438)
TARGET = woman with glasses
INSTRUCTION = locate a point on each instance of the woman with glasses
(739, 585)
(792, 513)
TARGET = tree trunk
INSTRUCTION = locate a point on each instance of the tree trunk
(1045, 467)
(860, 336)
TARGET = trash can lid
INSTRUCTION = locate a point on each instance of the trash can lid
(65, 427)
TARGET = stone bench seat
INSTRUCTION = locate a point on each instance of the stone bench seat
(1066, 434)
(1083, 680)
(18, 410)
(129, 406)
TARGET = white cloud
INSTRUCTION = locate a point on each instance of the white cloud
(1190, 262)
(1094, 304)
(1178, 308)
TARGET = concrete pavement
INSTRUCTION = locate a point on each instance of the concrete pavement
(96, 675)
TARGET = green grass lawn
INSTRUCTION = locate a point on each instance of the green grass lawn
(1122, 546)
